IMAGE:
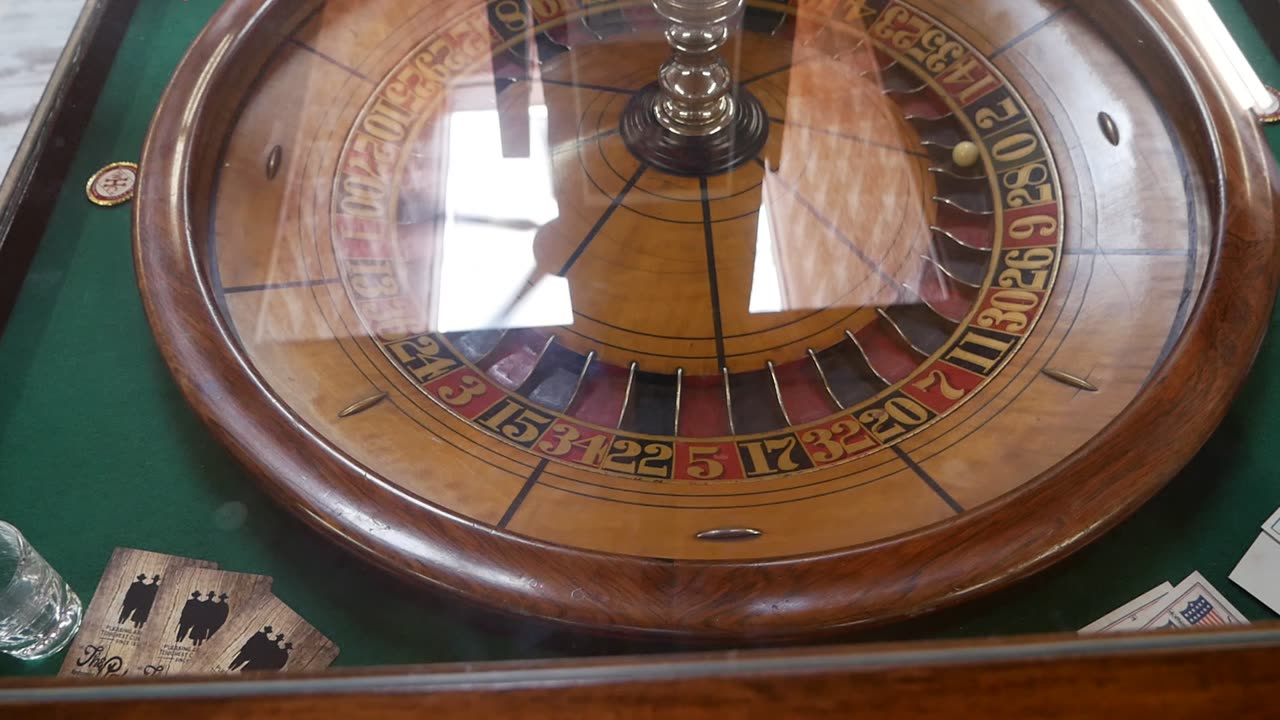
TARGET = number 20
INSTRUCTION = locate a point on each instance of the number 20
(895, 418)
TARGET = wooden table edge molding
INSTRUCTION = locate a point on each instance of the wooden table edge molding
(44, 156)
(1230, 673)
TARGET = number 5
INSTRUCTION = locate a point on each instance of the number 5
(702, 463)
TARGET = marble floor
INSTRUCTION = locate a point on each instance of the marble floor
(32, 35)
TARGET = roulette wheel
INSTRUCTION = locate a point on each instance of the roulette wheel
(707, 319)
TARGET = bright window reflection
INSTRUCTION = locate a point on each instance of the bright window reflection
(494, 205)
(766, 277)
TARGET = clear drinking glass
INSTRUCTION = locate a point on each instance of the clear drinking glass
(39, 613)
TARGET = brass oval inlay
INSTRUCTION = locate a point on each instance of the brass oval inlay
(729, 534)
(1068, 379)
(1109, 128)
(273, 161)
(365, 404)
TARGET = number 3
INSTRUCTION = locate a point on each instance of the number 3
(471, 388)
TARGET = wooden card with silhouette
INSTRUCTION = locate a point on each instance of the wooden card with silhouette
(190, 612)
(269, 638)
(121, 609)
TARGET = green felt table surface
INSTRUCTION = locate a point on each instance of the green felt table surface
(99, 450)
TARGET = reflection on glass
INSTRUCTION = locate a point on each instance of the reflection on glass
(766, 281)
(493, 208)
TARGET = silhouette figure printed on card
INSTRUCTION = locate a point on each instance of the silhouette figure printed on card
(261, 652)
(138, 600)
(202, 617)
(218, 611)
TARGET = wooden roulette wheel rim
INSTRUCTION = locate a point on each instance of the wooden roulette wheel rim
(900, 575)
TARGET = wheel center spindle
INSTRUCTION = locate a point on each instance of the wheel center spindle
(697, 84)
(694, 120)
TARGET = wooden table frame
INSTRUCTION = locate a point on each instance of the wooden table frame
(1232, 673)
(45, 154)
(1168, 675)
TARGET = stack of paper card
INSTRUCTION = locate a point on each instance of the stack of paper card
(1259, 569)
(1193, 603)
(158, 615)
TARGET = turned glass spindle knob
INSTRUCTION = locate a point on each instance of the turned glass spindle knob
(695, 120)
(697, 84)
